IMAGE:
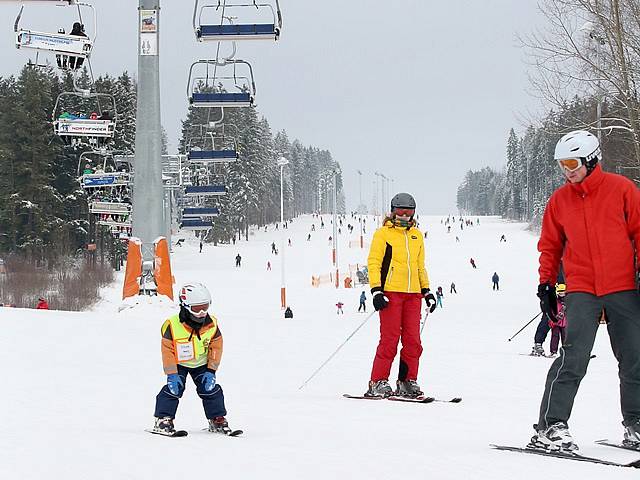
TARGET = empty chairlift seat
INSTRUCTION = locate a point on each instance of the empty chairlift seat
(200, 212)
(221, 83)
(213, 156)
(196, 224)
(225, 99)
(217, 33)
(205, 190)
(256, 21)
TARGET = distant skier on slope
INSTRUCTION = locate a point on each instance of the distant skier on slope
(363, 302)
(592, 224)
(399, 282)
(42, 304)
(191, 345)
(439, 297)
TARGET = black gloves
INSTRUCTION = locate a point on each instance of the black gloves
(379, 300)
(548, 300)
(429, 299)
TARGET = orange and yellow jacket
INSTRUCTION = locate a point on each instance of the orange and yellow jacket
(396, 260)
(182, 344)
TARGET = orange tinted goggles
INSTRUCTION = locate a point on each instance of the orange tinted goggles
(199, 308)
(570, 164)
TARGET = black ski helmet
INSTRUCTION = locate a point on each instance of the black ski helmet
(402, 200)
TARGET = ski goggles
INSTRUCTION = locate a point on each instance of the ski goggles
(404, 212)
(570, 164)
(199, 310)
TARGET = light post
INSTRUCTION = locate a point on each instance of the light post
(283, 291)
(385, 192)
(600, 42)
(377, 202)
(335, 225)
(360, 185)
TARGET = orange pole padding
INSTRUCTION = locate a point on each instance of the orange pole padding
(134, 269)
(162, 273)
(283, 297)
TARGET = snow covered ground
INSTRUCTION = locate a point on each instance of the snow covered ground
(78, 389)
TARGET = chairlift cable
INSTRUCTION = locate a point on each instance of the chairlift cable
(93, 83)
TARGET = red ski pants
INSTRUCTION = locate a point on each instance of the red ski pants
(399, 320)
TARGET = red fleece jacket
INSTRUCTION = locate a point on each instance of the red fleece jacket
(593, 227)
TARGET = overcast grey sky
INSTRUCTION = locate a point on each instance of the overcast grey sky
(419, 90)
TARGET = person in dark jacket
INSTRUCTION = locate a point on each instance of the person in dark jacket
(77, 30)
(363, 304)
(495, 279)
(592, 225)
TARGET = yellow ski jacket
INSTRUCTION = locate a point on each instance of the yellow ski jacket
(396, 260)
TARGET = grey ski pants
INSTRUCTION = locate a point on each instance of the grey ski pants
(566, 372)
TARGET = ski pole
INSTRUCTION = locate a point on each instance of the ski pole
(526, 325)
(426, 315)
(337, 350)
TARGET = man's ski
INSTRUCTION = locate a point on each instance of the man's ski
(567, 455)
(175, 434)
(405, 399)
(618, 445)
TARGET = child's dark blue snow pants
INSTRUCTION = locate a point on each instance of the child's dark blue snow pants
(213, 402)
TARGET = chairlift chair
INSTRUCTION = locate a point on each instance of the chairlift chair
(62, 44)
(73, 126)
(196, 224)
(205, 190)
(200, 212)
(227, 154)
(219, 32)
(213, 90)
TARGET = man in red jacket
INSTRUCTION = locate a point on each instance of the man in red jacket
(592, 224)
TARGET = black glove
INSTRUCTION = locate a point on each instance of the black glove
(379, 300)
(548, 300)
(429, 299)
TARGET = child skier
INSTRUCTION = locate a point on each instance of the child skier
(558, 327)
(191, 345)
(439, 296)
(339, 305)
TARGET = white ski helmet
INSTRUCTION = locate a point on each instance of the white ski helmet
(196, 298)
(579, 144)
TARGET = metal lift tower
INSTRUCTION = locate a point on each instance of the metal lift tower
(148, 196)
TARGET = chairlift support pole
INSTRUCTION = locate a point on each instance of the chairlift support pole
(148, 193)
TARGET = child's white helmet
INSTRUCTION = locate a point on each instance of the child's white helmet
(196, 298)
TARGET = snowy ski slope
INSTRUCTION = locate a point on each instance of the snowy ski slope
(78, 389)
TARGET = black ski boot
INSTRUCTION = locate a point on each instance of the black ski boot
(632, 435)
